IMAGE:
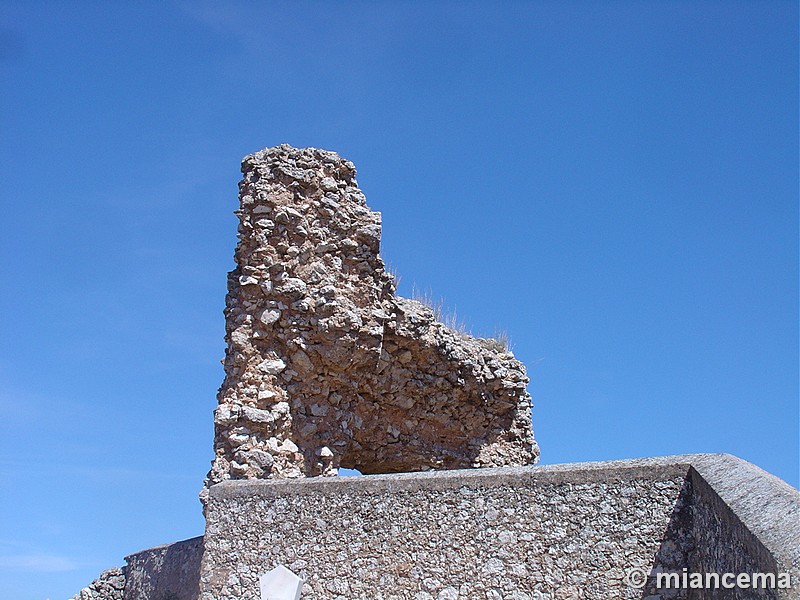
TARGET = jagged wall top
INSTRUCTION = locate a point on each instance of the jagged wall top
(325, 366)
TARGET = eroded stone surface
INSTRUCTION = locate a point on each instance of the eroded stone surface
(325, 366)
(110, 585)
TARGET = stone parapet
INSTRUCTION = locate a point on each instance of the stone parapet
(586, 530)
(567, 531)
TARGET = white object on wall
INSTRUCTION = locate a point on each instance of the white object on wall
(280, 584)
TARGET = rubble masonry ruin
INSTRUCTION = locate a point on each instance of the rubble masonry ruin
(325, 366)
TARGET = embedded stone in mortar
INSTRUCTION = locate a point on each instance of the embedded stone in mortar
(325, 366)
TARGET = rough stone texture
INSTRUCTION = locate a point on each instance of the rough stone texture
(325, 367)
(169, 572)
(558, 532)
(110, 585)
(512, 533)
(563, 531)
(724, 546)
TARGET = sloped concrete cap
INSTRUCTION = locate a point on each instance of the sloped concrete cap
(765, 505)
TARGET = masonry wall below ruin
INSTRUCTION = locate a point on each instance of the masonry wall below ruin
(586, 531)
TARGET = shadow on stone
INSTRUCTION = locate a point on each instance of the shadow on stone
(730, 519)
(170, 572)
(677, 544)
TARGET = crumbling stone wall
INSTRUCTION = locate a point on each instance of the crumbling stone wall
(325, 366)
(109, 585)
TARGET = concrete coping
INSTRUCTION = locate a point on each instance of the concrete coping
(766, 505)
(198, 540)
(589, 472)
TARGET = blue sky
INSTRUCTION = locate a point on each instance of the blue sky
(613, 183)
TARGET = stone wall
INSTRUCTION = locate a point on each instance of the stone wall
(509, 533)
(536, 533)
(325, 366)
(723, 545)
(169, 572)
(560, 532)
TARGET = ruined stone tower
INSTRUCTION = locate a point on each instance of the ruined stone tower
(325, 366)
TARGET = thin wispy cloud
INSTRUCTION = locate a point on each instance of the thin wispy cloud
(122, 475)
(38, 563)
(101, 474)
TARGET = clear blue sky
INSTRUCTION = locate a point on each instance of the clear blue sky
(614, 183)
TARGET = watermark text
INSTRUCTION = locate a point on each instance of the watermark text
(685, 579)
